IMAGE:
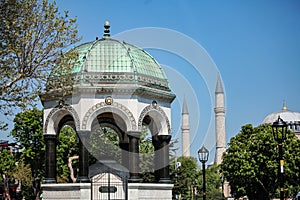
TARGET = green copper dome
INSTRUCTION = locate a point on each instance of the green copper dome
(109, 55)
(107, 63)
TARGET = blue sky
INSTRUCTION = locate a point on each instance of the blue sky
(255, 45)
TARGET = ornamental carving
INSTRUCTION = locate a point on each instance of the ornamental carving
(68, 109)
(96, 78)
(149, 108)
(106, 107)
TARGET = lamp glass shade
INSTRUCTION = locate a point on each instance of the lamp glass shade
(279, 128)
(203, 154)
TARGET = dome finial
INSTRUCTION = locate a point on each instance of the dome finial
(284, 105)
(106, 29)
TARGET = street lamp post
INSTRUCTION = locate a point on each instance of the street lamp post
(279, 132)
(203, 157)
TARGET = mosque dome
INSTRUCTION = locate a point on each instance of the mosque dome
(107, 64)
(292, 119)
(285, 114)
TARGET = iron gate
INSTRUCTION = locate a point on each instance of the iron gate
(109, 186)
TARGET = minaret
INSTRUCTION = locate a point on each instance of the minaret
(220, 122)
(185, 130)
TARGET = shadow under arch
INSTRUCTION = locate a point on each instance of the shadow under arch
(103, 128)
(156, 120)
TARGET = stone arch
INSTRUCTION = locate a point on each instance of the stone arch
(116, 108)
(159, 117)
(56, 115)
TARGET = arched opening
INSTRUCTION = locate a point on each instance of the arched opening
(67, 150)
(107, 135)
(150, 153)
(156, 126)
(109, 174)
(62, 142)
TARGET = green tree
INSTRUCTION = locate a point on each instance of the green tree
(185, 177)
(251, 163)
(66, 147)
(188, 182)
(22, 173)
(104, 143)
(33, 35)
(28, 132)
(213, 183)
(146, 154)
(7, 167)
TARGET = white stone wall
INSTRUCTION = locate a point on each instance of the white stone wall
(147, 191)
(67, 191)
(136, 191)
(85, 103)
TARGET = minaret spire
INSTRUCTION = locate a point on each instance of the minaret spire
(219, 87)
(184, 107)
(185, 130)
(220, 121)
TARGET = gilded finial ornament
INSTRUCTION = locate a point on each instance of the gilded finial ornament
(154, 104)
(61, 103)
(284, 105)
(108, 100)
(106, 29)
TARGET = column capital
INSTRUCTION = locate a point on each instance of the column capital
(165, 138)
(160, 140)
(83, 133)
(50, 137)
(135, 134)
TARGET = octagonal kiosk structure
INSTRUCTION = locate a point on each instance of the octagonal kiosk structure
(111, 88)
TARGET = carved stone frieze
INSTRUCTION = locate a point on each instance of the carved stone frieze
(108, 108)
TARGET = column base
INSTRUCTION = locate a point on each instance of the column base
(83, 179)
(164, 180)
(49, 180)
(134, 180)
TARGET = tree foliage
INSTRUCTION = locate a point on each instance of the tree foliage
(104, 144)
(7, 163)
(66, 147)
(146, 155)
(214, 183)
(33, 36)
(7, 167)
(22, 173)
(184, 178)
(28, 133)
(251, 163)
